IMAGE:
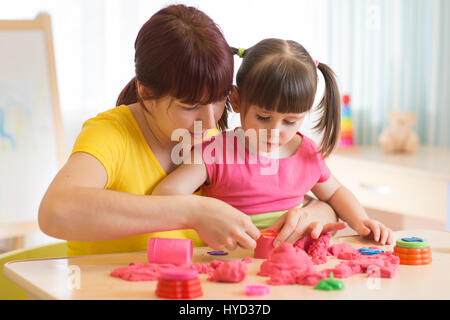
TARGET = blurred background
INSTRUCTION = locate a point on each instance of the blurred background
(387, 54)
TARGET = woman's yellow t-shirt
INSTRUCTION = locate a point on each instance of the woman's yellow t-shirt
(115, 139)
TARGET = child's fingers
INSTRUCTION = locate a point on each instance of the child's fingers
(384, 234)
(390, 239)
(334, 226)
(230, 245)
(362, 230)
(246, 241)
(375, 228)
(292, 230)
(253, 232)
(315, 229)
(277, 225)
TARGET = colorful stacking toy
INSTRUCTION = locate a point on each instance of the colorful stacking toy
(346, 123)
(179, 283)
(413, 251)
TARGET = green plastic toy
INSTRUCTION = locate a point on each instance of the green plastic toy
(410, 244)
(330, 284)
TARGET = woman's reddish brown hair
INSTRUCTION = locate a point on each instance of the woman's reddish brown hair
(181, 52)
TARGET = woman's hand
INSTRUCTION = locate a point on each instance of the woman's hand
(298, 222)
(380, 232)
(223, 227)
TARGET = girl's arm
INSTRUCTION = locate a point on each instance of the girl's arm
(185, 179)
(350, 210)
(77, 207)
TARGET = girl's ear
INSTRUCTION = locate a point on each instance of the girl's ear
(235, 100)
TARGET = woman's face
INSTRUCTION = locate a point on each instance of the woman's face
(170, 114)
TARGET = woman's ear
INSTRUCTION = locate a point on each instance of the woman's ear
(235, 100)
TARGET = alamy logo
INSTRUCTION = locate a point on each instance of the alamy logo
(74, 278)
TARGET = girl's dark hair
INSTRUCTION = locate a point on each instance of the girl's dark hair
(280, 75)
(182, 53)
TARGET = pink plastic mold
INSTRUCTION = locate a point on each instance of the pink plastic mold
(178, 274)
(256, 290)
(169, 251)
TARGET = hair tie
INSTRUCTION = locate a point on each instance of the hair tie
(241, 52)
(316, 62)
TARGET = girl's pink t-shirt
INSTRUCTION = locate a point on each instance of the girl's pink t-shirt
(255, 184)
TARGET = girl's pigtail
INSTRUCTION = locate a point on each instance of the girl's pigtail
(223, 121)
(128, 94)
(330, 121)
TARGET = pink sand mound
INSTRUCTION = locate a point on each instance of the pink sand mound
(317, 249)
(229, 271)
(339, 248)
(287, 265)
(310, 278)
(202, 268)
(137, 271)
(285, 257)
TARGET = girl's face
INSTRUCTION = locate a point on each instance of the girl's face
(286, 124)
(170, 114)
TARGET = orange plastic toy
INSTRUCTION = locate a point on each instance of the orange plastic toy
(413, 251)
(413, 256)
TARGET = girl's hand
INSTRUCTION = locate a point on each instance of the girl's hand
(222, 226)
(296, 223)
(380, 232)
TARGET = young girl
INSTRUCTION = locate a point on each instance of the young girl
(266, 168)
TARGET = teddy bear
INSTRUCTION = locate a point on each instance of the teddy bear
(399, 136)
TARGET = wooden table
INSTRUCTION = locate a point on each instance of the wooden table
(87, 277)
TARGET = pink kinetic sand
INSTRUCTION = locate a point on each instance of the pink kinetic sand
(339, 248)
(229, 271)
(381, 265)
(264, 246)
(286, 264)
(136, 271)
(290, 264)
(247, 260)
(317, 249)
